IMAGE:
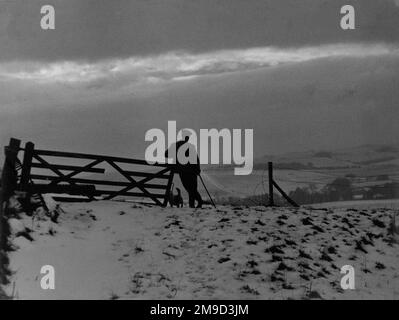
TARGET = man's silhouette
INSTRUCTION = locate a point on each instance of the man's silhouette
(187, 165)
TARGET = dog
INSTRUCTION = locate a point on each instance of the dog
(176, 199)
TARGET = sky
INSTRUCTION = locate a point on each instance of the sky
(111, 70)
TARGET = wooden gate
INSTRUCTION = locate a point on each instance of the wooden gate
(62, 176)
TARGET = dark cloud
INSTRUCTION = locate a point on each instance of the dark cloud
(321, 104)
(95, 29)
(309, 101)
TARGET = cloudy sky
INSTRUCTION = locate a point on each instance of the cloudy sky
(111, 70)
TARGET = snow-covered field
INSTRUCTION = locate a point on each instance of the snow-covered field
(110, 250)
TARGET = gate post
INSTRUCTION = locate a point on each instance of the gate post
(8, 185)
(26, 165)
(9, 174)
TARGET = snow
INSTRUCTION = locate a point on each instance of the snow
(108, 250)
(16, 226)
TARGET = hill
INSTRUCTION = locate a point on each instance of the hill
(365, 155)
(112, 250)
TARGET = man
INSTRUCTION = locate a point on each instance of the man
(187, 165)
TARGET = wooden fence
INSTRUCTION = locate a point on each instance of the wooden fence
(61, 177)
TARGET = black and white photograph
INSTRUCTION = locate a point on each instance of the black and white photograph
(199, 150)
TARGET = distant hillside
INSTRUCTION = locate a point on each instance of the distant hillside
(376, 155)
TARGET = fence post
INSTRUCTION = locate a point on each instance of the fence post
(26, 165)
(272, 184)
(8, 185)
(286, 197)
(271, 197)
(9, 174)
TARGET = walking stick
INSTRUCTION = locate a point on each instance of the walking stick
(213, 203)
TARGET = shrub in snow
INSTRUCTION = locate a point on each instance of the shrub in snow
(52, 209)
(21, 243)
(14, 207)
(16, 226)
